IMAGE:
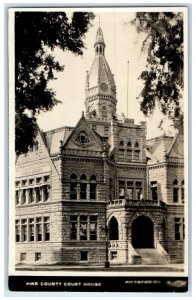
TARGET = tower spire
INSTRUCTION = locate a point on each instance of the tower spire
(100, 86)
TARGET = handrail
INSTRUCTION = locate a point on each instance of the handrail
(143, 202)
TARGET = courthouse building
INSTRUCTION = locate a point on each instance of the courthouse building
(100, 191)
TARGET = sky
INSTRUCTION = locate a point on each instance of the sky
(123, 44)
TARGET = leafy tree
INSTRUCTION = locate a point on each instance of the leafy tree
(35, 33)
(163, 76)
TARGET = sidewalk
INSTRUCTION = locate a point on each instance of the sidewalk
(122, 268)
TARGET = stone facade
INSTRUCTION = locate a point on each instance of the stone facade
(100, 191)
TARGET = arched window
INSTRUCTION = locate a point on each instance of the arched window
(136, 151)
(175, 191)
(73, 186)
(113, 229)
(83, 187)
(129, 151)
(104, 112)
(93, 187)
(121, 150)
(129, 144)
(182, 192)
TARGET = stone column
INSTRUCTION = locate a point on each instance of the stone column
(42, 194)
(78, 191)
(27, 196)
(88, 191)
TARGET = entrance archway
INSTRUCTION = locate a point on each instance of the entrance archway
(113, 229)
(142, 233)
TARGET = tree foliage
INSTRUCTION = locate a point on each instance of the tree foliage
(163, 76)
(35, 33)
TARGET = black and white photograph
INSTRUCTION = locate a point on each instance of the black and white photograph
(98, 149)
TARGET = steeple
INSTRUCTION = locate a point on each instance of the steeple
(100, 86)
(99, 44)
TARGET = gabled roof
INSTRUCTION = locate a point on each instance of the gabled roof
(157, 148)
(55, 136)
(165, 148)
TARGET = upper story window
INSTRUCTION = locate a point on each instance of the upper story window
(93, 186)
(73, 186)
(121, 150)
(182, 192)
(83, 187)
(106, 130)
(104, 112)
(129, 145)
(153, 186)
(175, 190)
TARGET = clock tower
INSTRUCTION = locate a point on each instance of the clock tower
(100, 92)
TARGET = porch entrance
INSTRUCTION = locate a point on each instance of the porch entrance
(142, 233)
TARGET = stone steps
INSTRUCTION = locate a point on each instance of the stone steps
(151, 257)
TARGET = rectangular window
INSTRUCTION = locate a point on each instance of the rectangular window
(136, 154)
(83, 255)
(83, 191)
(46, 178)
(46, 228)
(22, 256)
(121, 153)
(30, 195)
(83, 227)
(17, 229)
(39, 229)
(138, 190)
(129, 154)
(24, 230)
(130, 189)
(177, 228)
(106, 130)
(93, 190)
(23, 196)
(175, 194)
(17, 183)
(121, 189)
(24, 182)
(31, 181)
(93, 227)
(153, 185)
(31, 230)
(17, 199)
(73, 190)
(38, 180)
(73, 227)
(38, 256)
(182, 195)
(113, 255)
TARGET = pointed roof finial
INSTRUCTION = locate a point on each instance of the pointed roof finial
(99, 37)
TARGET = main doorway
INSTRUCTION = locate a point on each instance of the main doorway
(142, 233)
